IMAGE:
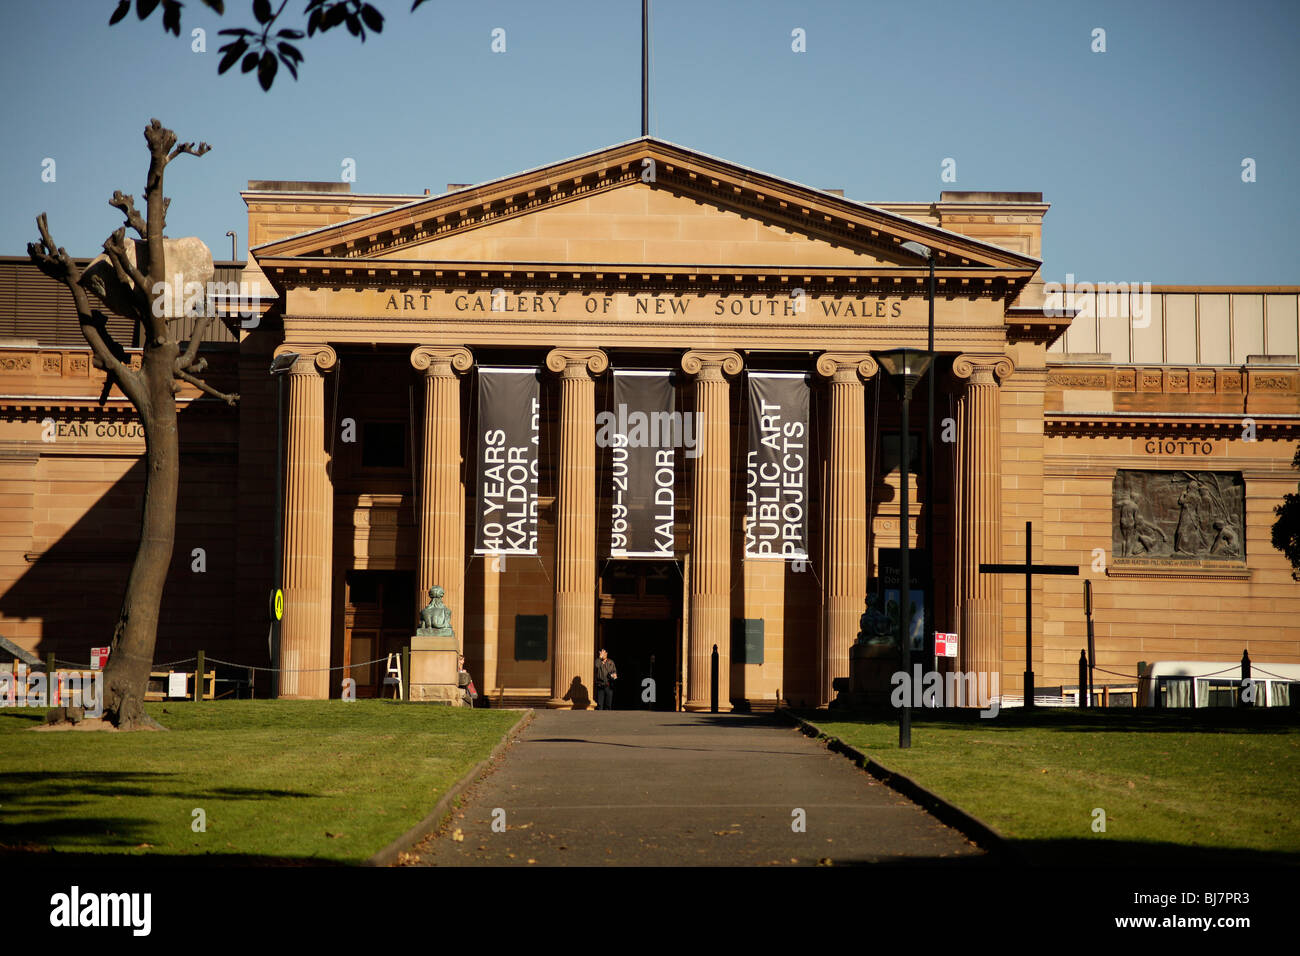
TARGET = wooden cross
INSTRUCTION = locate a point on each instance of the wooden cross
(1029, 569)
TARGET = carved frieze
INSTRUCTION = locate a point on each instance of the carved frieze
(1271, 383)
(1078, 380)
(1229, 381)
(1167, 517)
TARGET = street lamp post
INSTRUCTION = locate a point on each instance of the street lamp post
(928, 254)
(905, 368)
(280, 366)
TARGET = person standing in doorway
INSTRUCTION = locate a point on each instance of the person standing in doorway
(606, 674)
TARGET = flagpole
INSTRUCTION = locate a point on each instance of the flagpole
(645, 67)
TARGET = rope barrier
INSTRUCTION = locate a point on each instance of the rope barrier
(1256, 667)
(293, 670)
(1118, 674)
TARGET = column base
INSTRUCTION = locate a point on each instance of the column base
(561, 703)
(705, 707)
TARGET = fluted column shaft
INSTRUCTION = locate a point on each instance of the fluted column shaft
(710, 620)
(308, 509)
(844, 580)
(442, 489)
(979, 505)
(575, 527)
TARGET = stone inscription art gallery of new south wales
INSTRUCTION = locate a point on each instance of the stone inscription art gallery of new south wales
(634, 400)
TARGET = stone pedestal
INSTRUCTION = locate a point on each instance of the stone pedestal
(433, 670)
(870, 669)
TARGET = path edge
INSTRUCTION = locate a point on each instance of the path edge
(972, 827)
(388, 855)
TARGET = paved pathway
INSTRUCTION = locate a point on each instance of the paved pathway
(669, 789)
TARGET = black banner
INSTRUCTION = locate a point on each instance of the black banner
(643, 433)
(505, 482)
(776, 499)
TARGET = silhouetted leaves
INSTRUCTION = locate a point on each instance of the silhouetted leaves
(172, 17)
(259, 48)
(266, 69)
(233, 51)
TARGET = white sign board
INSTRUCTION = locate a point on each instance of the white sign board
(178, 684)
(945, 645)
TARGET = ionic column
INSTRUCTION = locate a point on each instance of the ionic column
(710, 612)
(305, 627)
(575, 525)
(844, 580)
(979, 508)
(442, 490)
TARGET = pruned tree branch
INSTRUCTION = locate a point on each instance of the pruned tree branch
(186, 359)
(128, 272)
(231, 398)
(108, 354)
(127, 206)
(188, 148)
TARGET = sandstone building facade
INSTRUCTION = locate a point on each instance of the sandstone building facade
(1146, 433)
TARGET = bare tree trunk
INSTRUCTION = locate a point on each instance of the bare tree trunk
(130, 660)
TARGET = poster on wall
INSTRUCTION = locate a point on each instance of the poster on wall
(777, 467)
(889, 587)
(505, 476)
(643, 432)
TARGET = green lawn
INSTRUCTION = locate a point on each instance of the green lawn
(1219, 786)
(291, 781)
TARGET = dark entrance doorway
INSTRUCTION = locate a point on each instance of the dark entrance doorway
(377, 621)
(640, 627)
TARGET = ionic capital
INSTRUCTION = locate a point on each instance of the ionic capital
(577, 363)
(983, 369)
(711, 364)
(846, 366)
(312, 359)
(437, 362)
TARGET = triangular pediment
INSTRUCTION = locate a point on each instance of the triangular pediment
(647, 203)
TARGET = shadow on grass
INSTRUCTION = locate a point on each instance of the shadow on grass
(17, 790)
(59, 799)
(1268, 720)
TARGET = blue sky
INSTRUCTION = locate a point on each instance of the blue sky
(1139, 149)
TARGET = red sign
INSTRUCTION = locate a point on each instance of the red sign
(98, 658)
(945, 645)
